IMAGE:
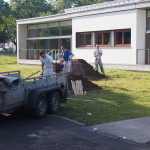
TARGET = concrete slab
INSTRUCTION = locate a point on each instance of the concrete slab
(137, 130)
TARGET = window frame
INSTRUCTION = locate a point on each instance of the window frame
(79, 34)
(123, 39)
(103, 32)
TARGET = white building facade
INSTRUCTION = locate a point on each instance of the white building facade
(121, 28)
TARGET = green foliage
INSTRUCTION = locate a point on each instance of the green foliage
(60, 5)
(4, 12)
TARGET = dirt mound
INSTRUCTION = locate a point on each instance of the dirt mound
(81, 67)
(58, 67)
(87, 85)
(83, 71)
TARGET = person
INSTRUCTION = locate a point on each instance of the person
(67, 56)
(48, 63)
(98, 62)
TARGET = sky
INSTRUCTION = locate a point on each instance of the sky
(6, 0)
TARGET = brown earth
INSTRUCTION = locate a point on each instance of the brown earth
(83, 71)
(87, 84)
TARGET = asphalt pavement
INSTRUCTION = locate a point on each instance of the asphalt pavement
(22, 132)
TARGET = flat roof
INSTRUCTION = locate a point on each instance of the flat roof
(106, 7)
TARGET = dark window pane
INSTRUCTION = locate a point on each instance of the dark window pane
(106, 38)
(88, 39)
(66, 30)
(43, 44)
(54, 31)
(43, 32)
(99, 38)
(118, 37)
(81, 42)
(31, 45)
(53, 44)
(127, 37)
(66, 42)
(32, 33)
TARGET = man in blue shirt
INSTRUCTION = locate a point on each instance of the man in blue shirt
(67, 56)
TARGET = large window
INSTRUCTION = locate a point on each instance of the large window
(123, 38)
(60, 28)
(102, 38)
(85, 39)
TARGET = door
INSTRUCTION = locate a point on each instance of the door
(147, 48)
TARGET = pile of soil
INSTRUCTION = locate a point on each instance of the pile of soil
(87, 85)
(58, 67)
(83, 71)
(81, 67)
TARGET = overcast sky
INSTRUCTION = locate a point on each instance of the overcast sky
(6, 0)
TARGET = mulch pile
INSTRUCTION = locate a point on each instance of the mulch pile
(83, 71)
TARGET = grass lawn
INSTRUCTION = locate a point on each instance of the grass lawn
(125, 95)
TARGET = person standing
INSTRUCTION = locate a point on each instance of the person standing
(48, 63)
(67, 56)
(98, 62)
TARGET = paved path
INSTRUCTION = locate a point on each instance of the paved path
(21, 132)
(137, 130)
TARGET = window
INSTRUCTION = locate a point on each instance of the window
(66, 27)
(32, 31)
(54, 28)
(103, 38)
(43, 30)
(84, 39)
(148, 20)
(123, 38)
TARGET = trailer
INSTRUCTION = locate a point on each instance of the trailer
(42, 94)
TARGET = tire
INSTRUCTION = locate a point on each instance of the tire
(41, 107)
(53, 102)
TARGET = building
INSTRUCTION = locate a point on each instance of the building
(121, 27)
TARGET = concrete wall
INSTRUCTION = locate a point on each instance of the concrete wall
(21, 41)
(140, 38)
(102, 22)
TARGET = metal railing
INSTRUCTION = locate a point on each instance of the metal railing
(143, 56)
(34, 54)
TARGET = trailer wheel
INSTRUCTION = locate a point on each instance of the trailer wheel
(53, 102)
(41, 107)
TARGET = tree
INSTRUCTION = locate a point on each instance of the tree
(30, 8)
(4, 12)
(60, 5)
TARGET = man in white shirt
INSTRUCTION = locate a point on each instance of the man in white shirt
(48, 63)
(98, 62)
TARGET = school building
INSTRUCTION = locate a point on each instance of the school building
(121, 27)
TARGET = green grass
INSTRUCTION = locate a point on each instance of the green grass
(9, 63)
(125, 95)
